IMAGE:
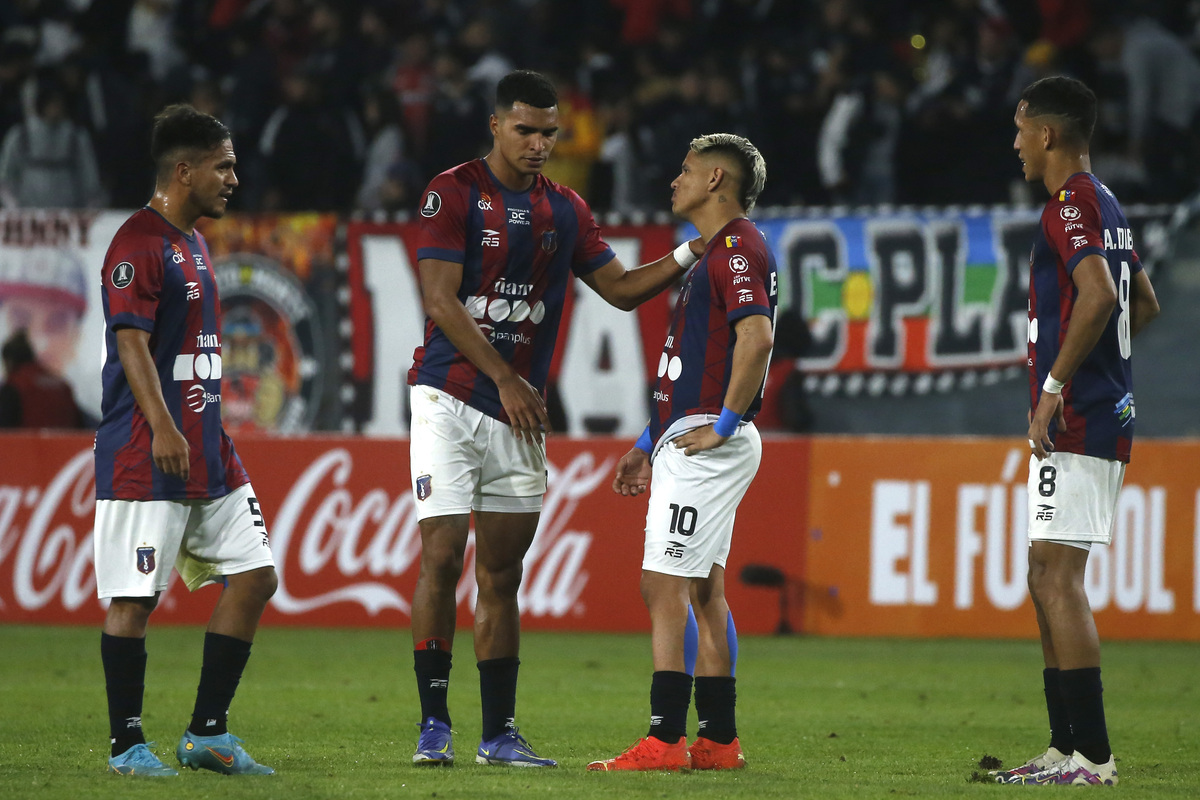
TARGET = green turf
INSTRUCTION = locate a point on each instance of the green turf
(334, 712)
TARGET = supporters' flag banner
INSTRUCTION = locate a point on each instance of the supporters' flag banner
(837, 535)
(916, 301)
(50, 263)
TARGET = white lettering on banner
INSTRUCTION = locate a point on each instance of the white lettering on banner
(399, 329)
(52, 561)
(1130, 571)
(594, 391)
(1005, 528)
(892, 540)
(337, 533)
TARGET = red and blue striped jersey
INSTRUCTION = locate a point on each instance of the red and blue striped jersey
(159, 279)
(517, 251)
(733, 279)
(1084, 218)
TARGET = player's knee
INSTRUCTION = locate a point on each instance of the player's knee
(441, 564)
(500, 579)
(131, 610)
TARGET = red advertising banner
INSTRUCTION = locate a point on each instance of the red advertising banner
(837, 535)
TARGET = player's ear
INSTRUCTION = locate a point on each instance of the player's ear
(716, 178)
(1050, 137)
(494, 124)
(183, 173)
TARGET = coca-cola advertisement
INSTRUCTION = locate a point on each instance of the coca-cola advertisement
(344, 534)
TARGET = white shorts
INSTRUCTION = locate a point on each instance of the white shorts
(1073, 498)
(462, 459)
(138, 541)
(693, 502)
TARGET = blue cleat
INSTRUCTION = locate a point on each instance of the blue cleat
(435, 746)
(510, 749)
(139, 760)
(223, 754)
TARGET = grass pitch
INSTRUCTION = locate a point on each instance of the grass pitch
(334, 712)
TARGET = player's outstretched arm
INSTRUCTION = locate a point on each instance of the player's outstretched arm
(629, 288)
(751, 354)
(440, 281)
(1143, 302)
(169, 448)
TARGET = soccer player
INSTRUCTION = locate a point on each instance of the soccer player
(170, 488)
(498, 244)
(1088, 295)
(705, 451)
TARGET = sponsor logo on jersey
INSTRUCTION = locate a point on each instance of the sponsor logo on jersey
(145, 561)
(200, 265)
(432, 204)
(491, 238)
(205, 366)
(198, 398)
(549, 241)
(484, 204)
(177, 256)
(1045, 512)
(1078, 241)
(193, 290)
(745, 295)
(424, 487)
(739, 264)
(1069, 213)
(1065, 196)
(741, 279)
(1125, 410)
(733, 241)
(518, 216)
(122, 275)
(509, 287)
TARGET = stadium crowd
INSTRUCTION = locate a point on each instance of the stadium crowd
(344, 105)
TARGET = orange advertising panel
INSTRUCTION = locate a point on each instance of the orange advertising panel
(926, 537)
(837, 535)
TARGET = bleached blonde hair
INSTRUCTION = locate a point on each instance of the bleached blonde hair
(751, 166)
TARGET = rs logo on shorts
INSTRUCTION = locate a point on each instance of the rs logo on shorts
(145, 560)
(424, 487)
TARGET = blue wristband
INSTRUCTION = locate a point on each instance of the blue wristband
(727, 423)
(643, 443)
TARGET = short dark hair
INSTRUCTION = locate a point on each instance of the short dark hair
(528, 87)
(182, 127)
(1064, 97)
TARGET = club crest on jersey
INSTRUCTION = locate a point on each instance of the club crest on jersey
(739, 264)
(1069, 213)
(432, 204)
(549, 241)
(424, 487)
(733, 241)
(122, 275)
(1065, 195)
(145, 560)
(1125, 410)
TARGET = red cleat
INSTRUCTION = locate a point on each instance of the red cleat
(648, 754)
(707, 754)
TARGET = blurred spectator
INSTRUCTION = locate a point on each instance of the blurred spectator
(857, 145)
(414, 84)
(47, 160)
(457, 133)
(486, 64)
(385, 146)
(312, 149)
(579, 139)
(32, 396)
(1162, 111)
